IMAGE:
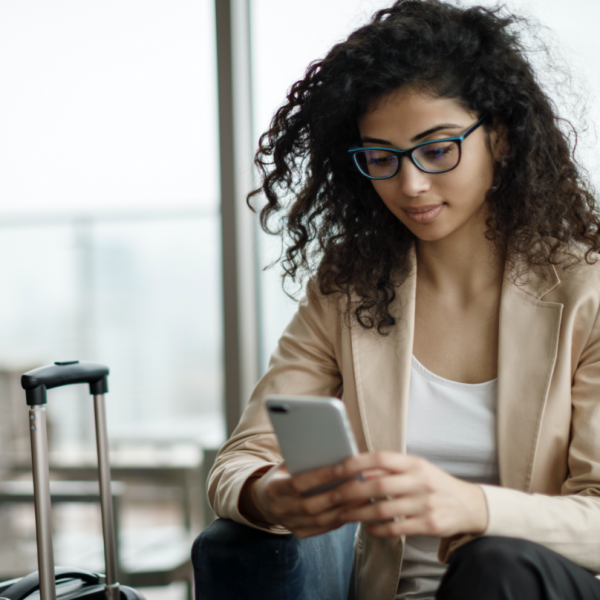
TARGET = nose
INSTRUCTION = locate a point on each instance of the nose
(412, 180)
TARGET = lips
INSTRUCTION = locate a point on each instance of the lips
(423, 214)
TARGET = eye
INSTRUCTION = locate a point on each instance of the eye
(438, 153)
(437, 156)
(376, 163)
(384, 160)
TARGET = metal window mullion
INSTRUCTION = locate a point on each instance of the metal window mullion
(241, 356)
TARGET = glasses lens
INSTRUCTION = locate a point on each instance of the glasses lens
(377, 163)
(437, 156)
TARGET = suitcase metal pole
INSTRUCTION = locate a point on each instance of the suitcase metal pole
(41, 497)
(36, 383)
(108, 519)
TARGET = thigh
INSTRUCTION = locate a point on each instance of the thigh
(498, 568)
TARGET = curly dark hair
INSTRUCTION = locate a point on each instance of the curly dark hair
(337, 229)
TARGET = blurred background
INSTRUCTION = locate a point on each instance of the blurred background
(127, 132)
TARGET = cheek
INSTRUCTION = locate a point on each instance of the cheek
(470, 185)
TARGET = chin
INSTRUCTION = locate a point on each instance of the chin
(429, 238)
(431, 232)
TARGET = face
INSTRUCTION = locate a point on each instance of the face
(432, 206)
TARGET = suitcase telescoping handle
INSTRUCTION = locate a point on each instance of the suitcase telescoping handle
(36, 383)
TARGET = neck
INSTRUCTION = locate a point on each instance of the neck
(462, 265)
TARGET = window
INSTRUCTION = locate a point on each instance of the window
(109, 219)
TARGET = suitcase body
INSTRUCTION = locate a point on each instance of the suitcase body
(65, 582)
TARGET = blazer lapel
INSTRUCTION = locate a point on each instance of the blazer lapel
(528, 345)
(382, 367)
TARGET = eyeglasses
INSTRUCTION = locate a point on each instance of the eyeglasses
(438, 156)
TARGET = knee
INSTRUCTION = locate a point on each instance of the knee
(494, 560)
(495, 552)
(486, 568)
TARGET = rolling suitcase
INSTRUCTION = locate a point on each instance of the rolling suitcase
(64, 582)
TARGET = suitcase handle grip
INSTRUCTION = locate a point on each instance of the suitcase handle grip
(36, 382)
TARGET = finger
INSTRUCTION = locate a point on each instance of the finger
(317, 504)
(308, 480)
(378, 487)
(298, 520)
(384, 460)
(281, 487)
(396, 508)
(374, 473)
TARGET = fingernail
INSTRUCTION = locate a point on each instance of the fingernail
(338, 470)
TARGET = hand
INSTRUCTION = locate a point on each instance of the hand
(275, 498)
(411, 497)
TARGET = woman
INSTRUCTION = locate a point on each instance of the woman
(453, 301)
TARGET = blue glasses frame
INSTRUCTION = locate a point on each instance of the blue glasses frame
(409, 152)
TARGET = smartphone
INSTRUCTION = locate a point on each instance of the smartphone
(312, 432)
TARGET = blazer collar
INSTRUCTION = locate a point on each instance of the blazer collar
(528, 345)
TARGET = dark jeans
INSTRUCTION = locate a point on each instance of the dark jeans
(497, 568)
(235, 562)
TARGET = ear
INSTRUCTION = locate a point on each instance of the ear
(499, 139)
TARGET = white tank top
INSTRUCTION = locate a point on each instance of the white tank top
(453, 425)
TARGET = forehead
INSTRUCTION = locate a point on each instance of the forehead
(404, 114)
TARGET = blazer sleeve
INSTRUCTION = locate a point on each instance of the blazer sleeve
(304, 363)
(568, 523)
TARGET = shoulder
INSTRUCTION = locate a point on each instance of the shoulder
(321, 302)
(578, 291)
(317, 314)
(574, 281)
(579, 276)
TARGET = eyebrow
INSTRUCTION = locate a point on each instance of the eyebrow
(418, 137)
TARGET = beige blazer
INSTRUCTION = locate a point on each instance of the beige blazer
(548, 415)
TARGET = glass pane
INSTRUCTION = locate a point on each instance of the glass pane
(142, 297)
(157, 308)
(112, 105)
